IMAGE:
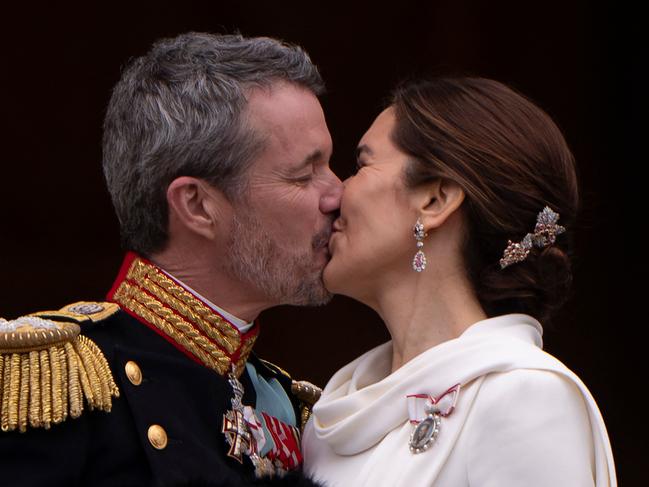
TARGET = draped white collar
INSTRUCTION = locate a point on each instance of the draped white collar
(363, 402)
(365, 397)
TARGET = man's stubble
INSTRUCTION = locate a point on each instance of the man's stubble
(284, 276)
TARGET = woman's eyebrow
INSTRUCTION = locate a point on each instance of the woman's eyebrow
(363, 149)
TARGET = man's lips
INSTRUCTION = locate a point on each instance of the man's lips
(321, 240)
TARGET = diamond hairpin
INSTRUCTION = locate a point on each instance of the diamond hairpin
(545, 233)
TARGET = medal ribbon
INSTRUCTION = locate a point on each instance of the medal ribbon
(421, 405)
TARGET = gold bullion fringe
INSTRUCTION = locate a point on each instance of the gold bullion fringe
(43, 387)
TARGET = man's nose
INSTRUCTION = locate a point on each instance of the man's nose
(330, 200)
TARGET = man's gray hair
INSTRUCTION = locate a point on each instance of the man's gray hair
(177, 111)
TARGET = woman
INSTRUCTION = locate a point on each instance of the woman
(463, 394)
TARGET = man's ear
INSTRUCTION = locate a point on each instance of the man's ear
(439, 200)
(196, 206)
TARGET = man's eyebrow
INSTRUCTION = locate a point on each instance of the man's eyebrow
(363, 148)
(315, 156)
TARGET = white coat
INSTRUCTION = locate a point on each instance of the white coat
(522, 418)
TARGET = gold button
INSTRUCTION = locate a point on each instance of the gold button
(133, 373)
(157, 436)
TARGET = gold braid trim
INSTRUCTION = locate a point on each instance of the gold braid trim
(172, 325)
(187, 313)
(243, 357)
(39, 388)
(153, 297)
(26, 341)
(167, 291)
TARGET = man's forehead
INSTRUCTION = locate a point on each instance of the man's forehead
(282, 104)
(290, 119)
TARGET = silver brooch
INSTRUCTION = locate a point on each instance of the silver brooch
(545, 233)
(426, 412)
(425, 434)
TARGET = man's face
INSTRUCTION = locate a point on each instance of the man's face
(280, 231)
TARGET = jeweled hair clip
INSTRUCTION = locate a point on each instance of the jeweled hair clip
(545, 233)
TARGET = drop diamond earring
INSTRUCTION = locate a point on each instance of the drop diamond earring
(419, 261)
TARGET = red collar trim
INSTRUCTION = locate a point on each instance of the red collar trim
(182, 318)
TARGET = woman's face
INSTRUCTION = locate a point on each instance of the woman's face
(373, 238)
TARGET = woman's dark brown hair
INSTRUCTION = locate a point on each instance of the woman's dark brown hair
(511, 160)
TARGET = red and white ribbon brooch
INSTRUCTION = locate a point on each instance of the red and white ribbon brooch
(427, 412)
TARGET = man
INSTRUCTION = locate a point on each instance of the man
(216, 156)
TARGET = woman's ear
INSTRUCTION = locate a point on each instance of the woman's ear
(439, 200)
(195, 206)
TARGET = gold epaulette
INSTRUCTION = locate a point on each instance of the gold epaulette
(81, 312)
(308, 394)
(48, 370)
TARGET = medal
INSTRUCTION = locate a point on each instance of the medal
(425, 433)
(426, 413)
(237, 432)
(246, 432)
(234, 426)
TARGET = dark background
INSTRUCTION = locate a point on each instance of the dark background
(578, 60)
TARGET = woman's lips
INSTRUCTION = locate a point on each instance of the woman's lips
(336, 228)
(331, 239)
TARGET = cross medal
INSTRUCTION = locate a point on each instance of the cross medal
(237, 433)
(234, 426)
